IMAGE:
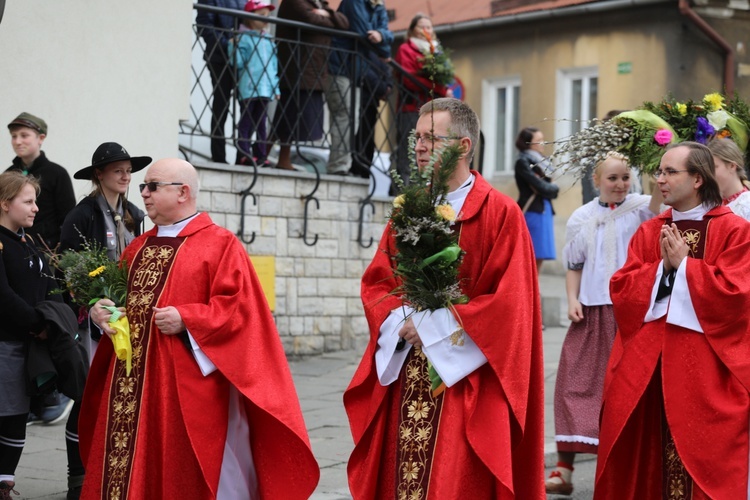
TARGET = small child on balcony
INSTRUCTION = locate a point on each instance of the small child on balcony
(253, 55)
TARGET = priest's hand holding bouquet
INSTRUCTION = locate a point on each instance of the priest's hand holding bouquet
(92, 279)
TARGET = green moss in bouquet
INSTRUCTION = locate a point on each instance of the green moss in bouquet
(428, 256)
(437, 64)
(89, 275)
(438, 67)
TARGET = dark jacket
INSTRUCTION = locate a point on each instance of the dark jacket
(530, 182)
(305, 64)
(25, 280)
(60, 360)
(87, 219)
(216, 39)
(55, 200)
(363, 16)
(377, 81)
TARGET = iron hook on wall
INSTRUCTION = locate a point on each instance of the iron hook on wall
(245, 193)
(308, 198)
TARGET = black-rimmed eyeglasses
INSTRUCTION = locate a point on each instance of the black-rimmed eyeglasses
(154, 185)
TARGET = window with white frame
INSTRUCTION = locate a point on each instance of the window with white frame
(500, 117)
(577, 94)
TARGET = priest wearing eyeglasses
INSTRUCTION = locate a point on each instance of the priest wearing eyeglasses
(481, 435)
(676, 406)
(209, 409)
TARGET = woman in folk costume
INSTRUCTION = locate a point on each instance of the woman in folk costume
(729, 163)
(596, 245)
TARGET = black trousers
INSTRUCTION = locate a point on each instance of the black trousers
(223, 81)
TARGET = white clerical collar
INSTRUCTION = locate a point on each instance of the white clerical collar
(173, 230)
(458, 197)
(696, 213)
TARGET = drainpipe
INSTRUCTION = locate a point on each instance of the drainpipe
(711, 33)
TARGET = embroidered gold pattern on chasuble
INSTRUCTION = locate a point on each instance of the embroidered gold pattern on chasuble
(678, 484)
(147, 275)
(419, 421)
(457, 337)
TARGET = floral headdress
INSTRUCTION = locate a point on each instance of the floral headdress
(642, 134)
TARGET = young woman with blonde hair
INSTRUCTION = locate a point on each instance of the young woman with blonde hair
(596, 245)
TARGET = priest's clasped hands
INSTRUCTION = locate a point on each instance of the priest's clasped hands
(673, 247)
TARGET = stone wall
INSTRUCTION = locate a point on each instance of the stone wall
(318, 306)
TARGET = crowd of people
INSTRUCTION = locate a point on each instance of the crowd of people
(303, 70)
(652, 377)
(185, 338)
(646, 356)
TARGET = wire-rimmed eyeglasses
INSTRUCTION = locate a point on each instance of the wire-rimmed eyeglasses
(433, 138)
(669, 172)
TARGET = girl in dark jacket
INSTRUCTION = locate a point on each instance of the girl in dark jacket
(535, 190)
(25, 280)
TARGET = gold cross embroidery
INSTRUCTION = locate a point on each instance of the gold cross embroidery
(457, 337)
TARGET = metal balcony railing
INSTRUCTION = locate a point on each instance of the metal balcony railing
(368, 133)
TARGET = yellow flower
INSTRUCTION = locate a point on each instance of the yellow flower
(398, 201)
(681, 108)
(446, 212)
(714, 101)
(96, 272)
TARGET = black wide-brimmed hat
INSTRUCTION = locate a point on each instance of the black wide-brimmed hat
(110, 152)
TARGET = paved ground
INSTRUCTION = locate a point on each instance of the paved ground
(320, 383)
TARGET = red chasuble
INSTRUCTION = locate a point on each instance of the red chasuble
(664, 379)
(490, 435)
(160, 432)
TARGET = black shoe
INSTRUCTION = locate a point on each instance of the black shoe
(75, 484)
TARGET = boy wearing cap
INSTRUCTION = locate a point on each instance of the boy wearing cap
(56, 198)
(253, 55)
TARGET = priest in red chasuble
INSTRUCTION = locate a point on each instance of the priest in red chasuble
(676, 403)
(482, 436)
(208, 408)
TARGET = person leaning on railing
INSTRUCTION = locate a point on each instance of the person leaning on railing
(216, 29)
(421, 41)
(303, 73)
(369, 19)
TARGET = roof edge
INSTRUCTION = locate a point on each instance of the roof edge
(589, 8)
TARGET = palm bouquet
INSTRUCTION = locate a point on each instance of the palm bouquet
(428, 256)
(89, 275)
(643, 133)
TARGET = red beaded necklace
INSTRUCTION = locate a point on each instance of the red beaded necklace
(729, 200)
